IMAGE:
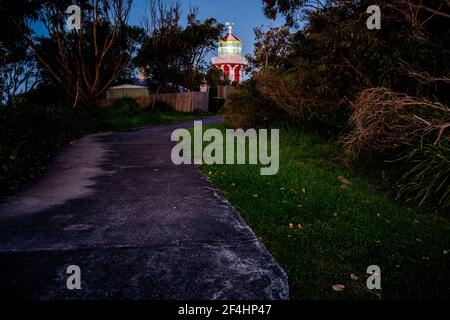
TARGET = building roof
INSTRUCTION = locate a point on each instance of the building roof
(230, 37)
(127, 86)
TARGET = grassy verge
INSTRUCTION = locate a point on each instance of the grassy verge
(326, 225)
(116, 121)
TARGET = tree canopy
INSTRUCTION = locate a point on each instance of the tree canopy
(173, 55)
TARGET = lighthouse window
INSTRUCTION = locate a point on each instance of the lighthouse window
(230, 48)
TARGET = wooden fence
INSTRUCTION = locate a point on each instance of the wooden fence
(181, 102)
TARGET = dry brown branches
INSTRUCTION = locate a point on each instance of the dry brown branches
(285, 92)
(383, 119)
(422, 76)
(419, 12)
(281, 91)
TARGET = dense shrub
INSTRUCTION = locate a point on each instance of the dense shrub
(383, 120)
(126, 107)
(243, 109)
(238, 110)
(334, 57)
(286, 92)
(247, 107)
(162, 107)
(409, 134)
(427, 175)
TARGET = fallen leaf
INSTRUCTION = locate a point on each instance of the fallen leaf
(338, 287)
(291, 226)
(255, 195)
(300, 226)
(344, 180)
(304, 190)
(354, 277)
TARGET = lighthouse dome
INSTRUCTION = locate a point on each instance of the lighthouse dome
(230, 44)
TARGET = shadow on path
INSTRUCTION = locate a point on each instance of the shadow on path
(138, 226)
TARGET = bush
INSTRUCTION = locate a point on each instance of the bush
(333, 57)
(427, 177)
(286, 92)
(242, 111)
(383, 120)
(409, 134)
(126, 107)
(162, 107)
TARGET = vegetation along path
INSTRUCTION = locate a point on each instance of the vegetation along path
(137, 226)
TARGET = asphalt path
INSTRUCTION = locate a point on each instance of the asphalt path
(137, 226)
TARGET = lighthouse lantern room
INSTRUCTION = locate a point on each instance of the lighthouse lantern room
(230, 59)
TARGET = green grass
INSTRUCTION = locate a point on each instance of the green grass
(345, 228)
(118, 121)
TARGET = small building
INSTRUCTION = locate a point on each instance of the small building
(204, 87)
(126, 90)
(230, 59)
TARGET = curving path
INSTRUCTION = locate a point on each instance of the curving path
(138, 227)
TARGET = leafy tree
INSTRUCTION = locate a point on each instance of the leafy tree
(13, 15)
(17, 77)
(17, 66)
(173, 55)
(334, 57)
(200, 38)
(272, 48)
(85, 62)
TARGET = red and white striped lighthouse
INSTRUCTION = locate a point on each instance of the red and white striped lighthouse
(230, 59)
